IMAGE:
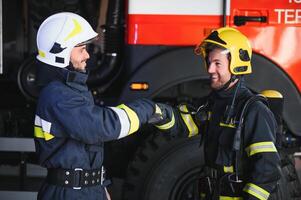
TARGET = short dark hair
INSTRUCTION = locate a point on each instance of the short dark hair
(211, 46)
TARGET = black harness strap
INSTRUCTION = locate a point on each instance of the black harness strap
(238, 137)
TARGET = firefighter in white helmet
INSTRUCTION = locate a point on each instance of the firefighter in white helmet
(238, 129)
(69, 128)
(59, 34)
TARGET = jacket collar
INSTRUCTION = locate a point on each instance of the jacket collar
(229, 93)
(76, 80)
(47, 73)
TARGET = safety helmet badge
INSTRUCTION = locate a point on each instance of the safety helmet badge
(59, 34)
(234, 42)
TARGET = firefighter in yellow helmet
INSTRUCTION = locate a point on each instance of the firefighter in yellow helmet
(236, 48)
(69, 129)
(237, 127)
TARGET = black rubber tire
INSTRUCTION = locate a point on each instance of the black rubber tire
(289, 188)
(164, 168)
(26, 78)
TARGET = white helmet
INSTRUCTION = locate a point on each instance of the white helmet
(57, 36)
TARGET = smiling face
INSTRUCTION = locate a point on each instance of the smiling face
(78, 57)
(218, 68)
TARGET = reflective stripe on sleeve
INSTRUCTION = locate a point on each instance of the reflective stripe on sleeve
(256, 191)
(192, 127)
(230, 198)
(133, 117)
(228, 169)
(124, 122)
(42, 128)
(39, 133)
(260, 147)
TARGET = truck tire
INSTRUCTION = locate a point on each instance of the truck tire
(289, 187)
(166, 168)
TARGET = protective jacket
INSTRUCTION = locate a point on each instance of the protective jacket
(259, 161)
(70, 131)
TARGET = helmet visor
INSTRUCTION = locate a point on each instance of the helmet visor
(205, 48)
(88, 41)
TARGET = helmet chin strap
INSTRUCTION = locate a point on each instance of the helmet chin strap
(231, 80)
(229, 110)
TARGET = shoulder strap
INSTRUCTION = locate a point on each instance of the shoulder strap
(237, 142)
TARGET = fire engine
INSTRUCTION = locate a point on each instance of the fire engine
(146, 50)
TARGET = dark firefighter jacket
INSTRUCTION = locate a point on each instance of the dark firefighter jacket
(70, 129)
(260, 160)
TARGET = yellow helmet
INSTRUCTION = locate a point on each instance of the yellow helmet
(236, 43)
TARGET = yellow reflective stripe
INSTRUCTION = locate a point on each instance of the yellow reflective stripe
(42, 53)
(39, 133)
(187, 118)
(227, 125)
(133, 117)
(76, 30)
(256, 191)
(209, 115)
(202, 196)
(168, 125)
(260, 147)
(230, 198)
(228, 169)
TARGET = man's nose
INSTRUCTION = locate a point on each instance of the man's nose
(87, 54)
(211, 68)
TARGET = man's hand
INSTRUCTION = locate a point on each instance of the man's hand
(163, 117)
(158, 115)
(155, 118)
